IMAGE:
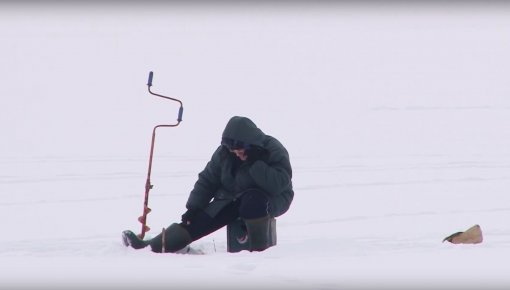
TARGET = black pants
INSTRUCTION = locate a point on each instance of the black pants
(252, 204)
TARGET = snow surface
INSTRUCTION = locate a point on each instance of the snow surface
(396, 117)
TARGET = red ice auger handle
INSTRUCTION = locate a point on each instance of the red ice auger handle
(148, 186)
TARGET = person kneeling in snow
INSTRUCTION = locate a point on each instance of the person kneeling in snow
(249, 176)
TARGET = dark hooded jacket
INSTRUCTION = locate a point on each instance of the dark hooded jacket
(226, 177)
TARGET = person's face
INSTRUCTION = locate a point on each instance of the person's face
(240, 153)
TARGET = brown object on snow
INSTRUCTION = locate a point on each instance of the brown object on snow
(472, 236)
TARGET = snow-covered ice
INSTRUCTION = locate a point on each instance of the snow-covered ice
(396, 117)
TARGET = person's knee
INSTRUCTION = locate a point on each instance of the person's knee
(254, 204)
(199, 225)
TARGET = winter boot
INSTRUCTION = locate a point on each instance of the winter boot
(175, 238)
(259, 235)
(130, 239)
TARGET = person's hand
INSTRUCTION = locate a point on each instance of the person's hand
(188, 216)
(256, 153)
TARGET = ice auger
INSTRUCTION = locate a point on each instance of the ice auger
(148, 186)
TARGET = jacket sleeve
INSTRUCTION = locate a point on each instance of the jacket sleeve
(273, 176)
(209, 180)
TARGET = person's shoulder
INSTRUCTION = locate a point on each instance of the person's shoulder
(272, 144)
(220, 153)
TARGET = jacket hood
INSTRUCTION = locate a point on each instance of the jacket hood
(244, 130)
